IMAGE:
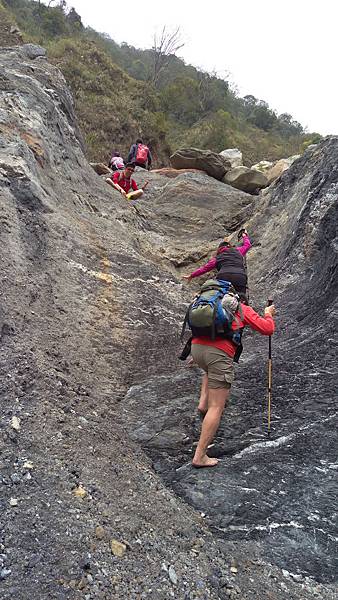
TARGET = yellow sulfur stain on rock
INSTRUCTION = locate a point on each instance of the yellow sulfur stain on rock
(80, 492)
(105, 262)
(117, 548)
(102, 276)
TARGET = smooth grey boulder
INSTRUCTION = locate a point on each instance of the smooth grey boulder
(204, 160)
(33, 51)
(245, 179)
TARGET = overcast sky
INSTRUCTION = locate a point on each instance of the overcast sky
(282, 52)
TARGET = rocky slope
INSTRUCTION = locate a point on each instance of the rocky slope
(90, 305)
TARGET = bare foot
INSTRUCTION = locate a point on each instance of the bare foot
(206, 461)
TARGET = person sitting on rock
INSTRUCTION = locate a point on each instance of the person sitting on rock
(123, 182)
(140, 155)
(216, 358)
(116, 162)
(229, 264)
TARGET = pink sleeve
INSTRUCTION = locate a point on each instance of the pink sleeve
(246, 245)
(211, 264)
(134, 185)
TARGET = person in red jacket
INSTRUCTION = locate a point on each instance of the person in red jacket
(229, 263)
(215, 357)
(123, 182)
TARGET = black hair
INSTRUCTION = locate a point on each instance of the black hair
(130, 165)
(224, 244)
(116, 154)
(139, 141)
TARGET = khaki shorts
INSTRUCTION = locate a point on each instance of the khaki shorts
(218, 365)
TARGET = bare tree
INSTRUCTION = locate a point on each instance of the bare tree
(165, 46)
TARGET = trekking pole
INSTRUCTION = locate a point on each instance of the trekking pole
(269, 379)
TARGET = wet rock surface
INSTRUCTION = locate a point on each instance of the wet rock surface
(89, 306)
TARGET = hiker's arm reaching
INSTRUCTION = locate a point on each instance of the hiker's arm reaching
(209, 266)
(116, 186)
(264, 325)
(246, 244)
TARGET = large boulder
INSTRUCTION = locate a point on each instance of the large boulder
(34, 51)
(279, 167)
(245, 179)
(233, 156)
(204, 160)
(101, 169)
(172, 173)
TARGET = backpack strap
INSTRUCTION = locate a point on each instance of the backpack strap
(186, 350)
(213, 326)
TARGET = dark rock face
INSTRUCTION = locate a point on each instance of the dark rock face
(205, 160)
(89, 307)
(278, 492)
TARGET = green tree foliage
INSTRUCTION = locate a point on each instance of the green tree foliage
(116, 98)
(217, 132)
(312, 138)
(212, 92)
(180, 100)
(263, 117)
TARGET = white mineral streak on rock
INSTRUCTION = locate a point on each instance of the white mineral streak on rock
(281, 441)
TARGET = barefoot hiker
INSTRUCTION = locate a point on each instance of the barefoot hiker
(123, 182)
(216, 344)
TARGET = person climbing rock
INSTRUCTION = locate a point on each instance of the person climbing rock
(216, 358)
(140, 155)
(229, 263)
(123, 182)
(116, 162)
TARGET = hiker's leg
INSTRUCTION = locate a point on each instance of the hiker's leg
(220, 373)
(217, 399)
(203, 403)
(240, 281)
(198, 353)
